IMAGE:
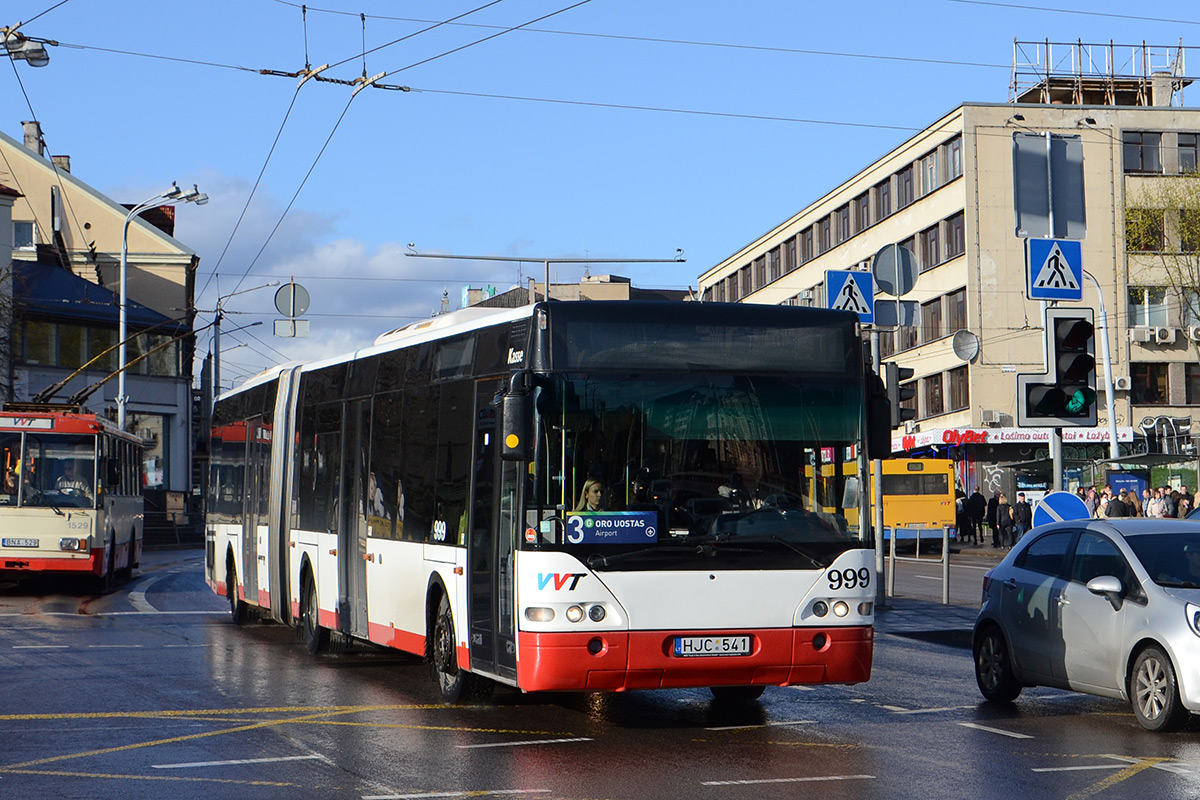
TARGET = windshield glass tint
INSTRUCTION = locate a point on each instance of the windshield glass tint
(1171, 559)
(58, 470)
(701, 472)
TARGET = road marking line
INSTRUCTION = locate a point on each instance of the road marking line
(790, 780)
(934, 710)
(114, 646)
(1010, 734)
(41, 647)
(764, 725)
(1113, 780)
(521, 744)
(473, 793)
(1078, 769)
(237, 761)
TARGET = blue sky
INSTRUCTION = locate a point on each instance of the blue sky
(614, 129)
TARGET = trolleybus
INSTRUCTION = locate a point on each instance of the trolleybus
(919, 498)
(70, 494)
(564, 496)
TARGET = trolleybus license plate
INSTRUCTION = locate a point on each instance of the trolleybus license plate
(19, 542)
(688, 646)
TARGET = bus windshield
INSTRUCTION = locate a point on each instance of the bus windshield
(53, 470)
(701, 471)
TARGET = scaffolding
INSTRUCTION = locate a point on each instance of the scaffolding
(1077, 73)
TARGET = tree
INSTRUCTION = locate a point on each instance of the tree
(1162, 239)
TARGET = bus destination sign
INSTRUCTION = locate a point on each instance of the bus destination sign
(611, 527)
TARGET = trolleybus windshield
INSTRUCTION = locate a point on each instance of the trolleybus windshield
(52, 470)
(701, 471)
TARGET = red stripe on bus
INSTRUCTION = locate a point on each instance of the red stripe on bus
(388, 636)
(18, 564)
(644, 660)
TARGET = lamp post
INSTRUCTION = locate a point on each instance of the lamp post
(219, 314)
(169, 197)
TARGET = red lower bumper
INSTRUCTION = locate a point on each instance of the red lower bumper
(13, 563)
(645, 660)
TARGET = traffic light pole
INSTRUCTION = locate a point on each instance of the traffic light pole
(1110, 403)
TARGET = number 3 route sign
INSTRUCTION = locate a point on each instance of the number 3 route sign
(849, 290)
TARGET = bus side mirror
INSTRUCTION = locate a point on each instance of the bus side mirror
(516, 441)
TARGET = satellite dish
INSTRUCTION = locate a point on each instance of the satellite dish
(965, 345)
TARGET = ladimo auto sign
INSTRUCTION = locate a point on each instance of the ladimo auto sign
(957, 436)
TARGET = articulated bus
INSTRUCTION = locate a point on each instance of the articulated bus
(563, 496)
(70, 494)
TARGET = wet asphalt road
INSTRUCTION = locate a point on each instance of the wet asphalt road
(151, 692)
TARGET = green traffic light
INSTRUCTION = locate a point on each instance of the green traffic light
(1080, 400)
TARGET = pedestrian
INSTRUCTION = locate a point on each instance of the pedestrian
(1186, 496)
(1092, 501)
(992, 519)
(1134, 504)
(1154, 506)
(1168, 502)
(977, 508)
(1022, 514)
(1176, 502)
(1117, 506)
(1004, 520)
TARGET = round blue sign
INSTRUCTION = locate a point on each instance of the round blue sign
(1059, 506)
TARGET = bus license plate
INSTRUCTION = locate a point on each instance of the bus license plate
(19, 542)
(692, 646)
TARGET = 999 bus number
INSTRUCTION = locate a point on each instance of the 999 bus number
(849, 578)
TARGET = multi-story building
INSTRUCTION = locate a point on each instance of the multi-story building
(947, 194)
(62, 306)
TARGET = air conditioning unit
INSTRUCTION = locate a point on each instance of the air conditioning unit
(1164, 335)
(990, 416)
(1122, 383)
(1141, 334)
(1193, 332)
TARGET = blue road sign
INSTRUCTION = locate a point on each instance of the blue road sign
(1055, 269)
(850, 290)
(1059, 506)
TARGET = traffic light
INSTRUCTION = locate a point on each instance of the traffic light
(897, 393)
(1066, 394)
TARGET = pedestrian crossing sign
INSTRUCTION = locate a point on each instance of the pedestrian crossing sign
(850, 290)
(1055, 269)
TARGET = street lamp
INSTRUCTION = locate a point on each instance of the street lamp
(167, 198)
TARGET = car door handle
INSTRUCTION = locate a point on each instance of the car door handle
(1011, 583)
(1063, 601)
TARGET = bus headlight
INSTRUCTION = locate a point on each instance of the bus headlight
(596, 613)
(539, 614)
(820, 608)
(840, 609)
(575, 613)
(72, 544)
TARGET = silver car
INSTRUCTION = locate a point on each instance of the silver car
(1106, 607)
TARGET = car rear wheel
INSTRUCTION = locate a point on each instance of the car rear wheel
(993, 668)
(1154, 692)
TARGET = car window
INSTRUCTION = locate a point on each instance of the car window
(1096, 555)
(1047, 553)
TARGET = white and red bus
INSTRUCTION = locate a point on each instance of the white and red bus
(429, 494)
(70, 494)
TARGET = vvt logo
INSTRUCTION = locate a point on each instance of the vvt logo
(560, 580)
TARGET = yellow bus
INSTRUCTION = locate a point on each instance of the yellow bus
(918, 496)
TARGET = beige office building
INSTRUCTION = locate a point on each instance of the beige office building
(947, 194)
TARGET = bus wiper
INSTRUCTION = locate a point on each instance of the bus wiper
(795, 548)
(597, 560)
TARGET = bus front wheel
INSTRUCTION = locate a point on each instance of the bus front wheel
(316, 638)
(455, 685)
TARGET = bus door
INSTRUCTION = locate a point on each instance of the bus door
(493, 521)
(352, 544)
(250, 490)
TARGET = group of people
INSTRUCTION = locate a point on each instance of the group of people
(1007, 522)
(1161, 502)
